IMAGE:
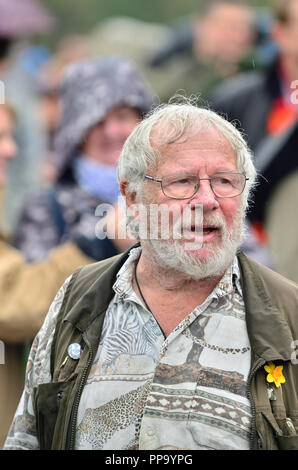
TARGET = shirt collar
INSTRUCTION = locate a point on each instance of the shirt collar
(230, 280)
(228, 283)
(122, 285)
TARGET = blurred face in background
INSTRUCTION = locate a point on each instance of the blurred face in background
(104, 141)
(8, 147)
(225, 33)
(285, 33)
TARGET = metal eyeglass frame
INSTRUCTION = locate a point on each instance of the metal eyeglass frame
(159, 180)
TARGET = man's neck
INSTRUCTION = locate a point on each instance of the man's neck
(169, 294)
(167, 279)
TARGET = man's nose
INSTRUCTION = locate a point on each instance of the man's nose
(205, 196)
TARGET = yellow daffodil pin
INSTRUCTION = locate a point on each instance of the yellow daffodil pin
(274, 374)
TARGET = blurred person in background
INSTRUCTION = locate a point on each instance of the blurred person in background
(212, 45)
(117, 36)
(265, 105)
(102, 101)
(223, 33)
(20, 20)
(114, 99)
(8, 147)
(191, 55)
(26, 291)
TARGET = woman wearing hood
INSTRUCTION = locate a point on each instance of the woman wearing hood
(102, 101)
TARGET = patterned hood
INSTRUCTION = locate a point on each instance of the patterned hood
(90, 89)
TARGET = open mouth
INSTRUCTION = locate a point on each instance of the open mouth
(202, 235)
(205, 231)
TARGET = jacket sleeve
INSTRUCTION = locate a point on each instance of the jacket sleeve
(22, 434)
(27, 290)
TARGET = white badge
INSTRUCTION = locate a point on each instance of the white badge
(74, 351)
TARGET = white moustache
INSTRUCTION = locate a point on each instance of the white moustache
(190, 223)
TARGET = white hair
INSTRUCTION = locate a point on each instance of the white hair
(172, 121)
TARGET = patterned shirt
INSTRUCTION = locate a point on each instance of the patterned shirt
(188, 391)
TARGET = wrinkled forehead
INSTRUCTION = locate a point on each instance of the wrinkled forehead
(205, 136)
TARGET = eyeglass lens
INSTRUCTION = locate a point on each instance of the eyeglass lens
(185, 186)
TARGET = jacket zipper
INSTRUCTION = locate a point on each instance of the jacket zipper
(259, 364)
(74, 412)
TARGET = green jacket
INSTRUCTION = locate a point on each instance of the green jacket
(271, 304)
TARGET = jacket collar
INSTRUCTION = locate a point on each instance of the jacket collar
(268, 331)
(97, 290)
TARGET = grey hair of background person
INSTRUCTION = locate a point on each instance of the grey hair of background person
(175, 120)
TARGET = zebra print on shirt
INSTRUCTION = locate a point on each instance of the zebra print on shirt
(124, 333)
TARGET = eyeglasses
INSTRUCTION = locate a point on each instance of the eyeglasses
(183, 186)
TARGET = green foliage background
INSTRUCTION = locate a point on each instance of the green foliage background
(79, 16)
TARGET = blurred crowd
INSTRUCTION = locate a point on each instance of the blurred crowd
(67, 112)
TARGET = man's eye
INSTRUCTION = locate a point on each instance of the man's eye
(180, 182)
(222, 181)
(183, 181)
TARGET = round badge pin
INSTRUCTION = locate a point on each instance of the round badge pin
(74, 351)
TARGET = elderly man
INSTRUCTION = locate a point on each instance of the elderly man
(180, 343)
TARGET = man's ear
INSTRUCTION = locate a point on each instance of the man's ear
(130, 196)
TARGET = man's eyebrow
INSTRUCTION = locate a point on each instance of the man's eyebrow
(181, 173)
(225, 170)
(194, 173)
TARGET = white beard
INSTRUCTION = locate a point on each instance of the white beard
(172, 253)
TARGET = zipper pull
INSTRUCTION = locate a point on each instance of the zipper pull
(64, 362)
(271, 395)
(260, 445)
